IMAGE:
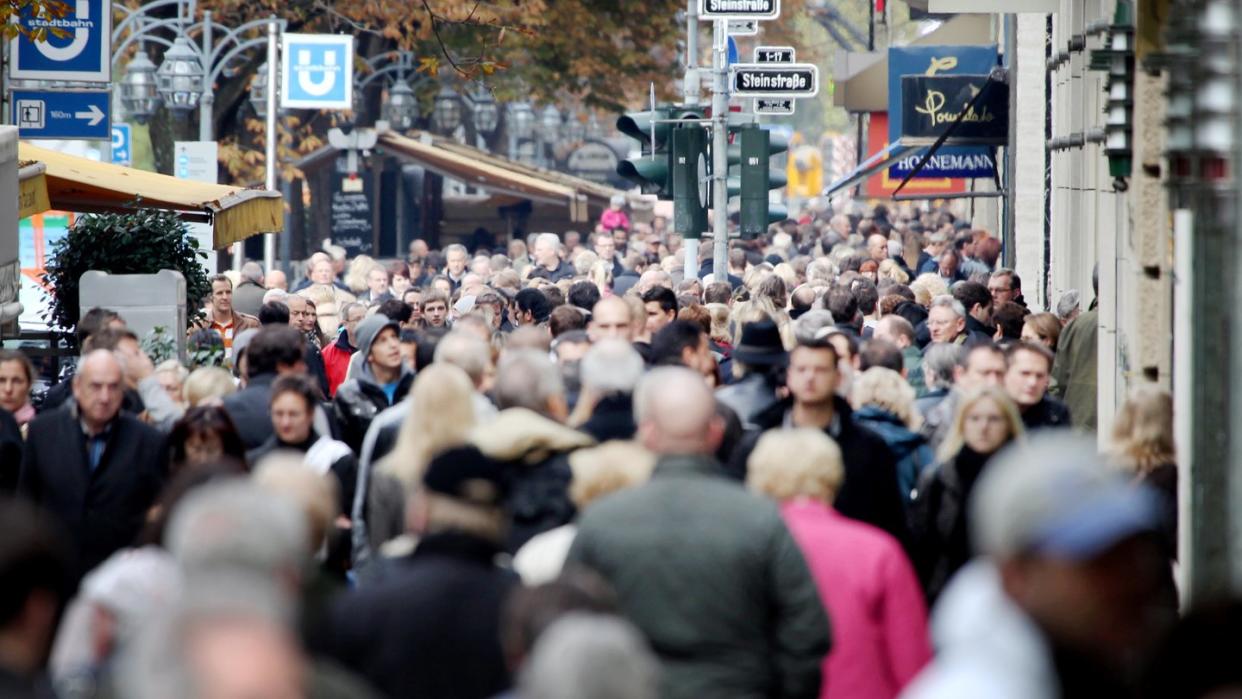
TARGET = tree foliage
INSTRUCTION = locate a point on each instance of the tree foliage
(143, 241)
(48, 9)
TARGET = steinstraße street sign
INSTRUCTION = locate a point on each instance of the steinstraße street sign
(62, 114)
(317, 71)
(739, 9)
(774, 80)
(84, 54)
(775, 106)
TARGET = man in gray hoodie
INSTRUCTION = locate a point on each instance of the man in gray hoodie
(381, 379)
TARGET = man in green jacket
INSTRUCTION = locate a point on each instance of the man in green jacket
(1075, 371)
(704, 568)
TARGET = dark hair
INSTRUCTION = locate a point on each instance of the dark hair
(274, 313)
(668, 344)
(972, 294)
(303, 386)
(34, 556)
(397, 268)
(564, 319)
(397, 310)
(1015, 282)
(821, 344)
(584, 295)
(425, 354)
(94, 320)
(553, 294)
(866, 294)
(204, 421)
(880, 353)
(533, 301)
(221, 278)
(109, 339)
(1027, 346)
(842, 305)
(1010, 317)
(273, 346)
(718, 292)
(663, 296)
(7, 355)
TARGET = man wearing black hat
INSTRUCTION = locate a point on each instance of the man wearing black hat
(431, 628)
(870, 493)
(757, 362)
(382, 378)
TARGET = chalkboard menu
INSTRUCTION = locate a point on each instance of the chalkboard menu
(351, 214)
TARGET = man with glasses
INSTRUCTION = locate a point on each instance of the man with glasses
(1005, 287)
(337, 354)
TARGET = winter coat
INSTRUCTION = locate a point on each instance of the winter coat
(431, 627)
(1074, 371)
(987, 646)
(248, 298)
(879, 619)
(612, 418)
(912, 362)
(360, 399)
(102, 509)
(564, 270)
(336, 358)
(941, 530)
(322, 454)
(536, 451)
(909, 448)
(870, 493)
(249, 409)
(712, 577)
(1048, 412)
(750, 397)
(11, 445)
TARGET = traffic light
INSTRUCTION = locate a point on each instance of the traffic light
(690, 183)
(756, 147)
(652, 171)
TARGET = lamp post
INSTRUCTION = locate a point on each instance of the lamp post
(520, 124)
(139, 95)
(549, 131)
(446, 113)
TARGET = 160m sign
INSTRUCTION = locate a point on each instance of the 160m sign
(774, 80)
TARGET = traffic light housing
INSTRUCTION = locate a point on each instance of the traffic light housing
(756, 147)
(691, 194)
(652, 171)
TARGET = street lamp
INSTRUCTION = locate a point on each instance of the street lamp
(401, 107)
(258, 90)
(446, 113)
(180, 78)
(522, 120)
(575, 132)
(550, 121)
(486, 114)
(138, 89)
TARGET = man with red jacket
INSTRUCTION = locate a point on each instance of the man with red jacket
(336, 355)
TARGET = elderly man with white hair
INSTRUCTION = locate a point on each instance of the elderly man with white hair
(705, 569)
(548, 262)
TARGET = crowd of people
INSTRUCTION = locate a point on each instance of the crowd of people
(563, 468)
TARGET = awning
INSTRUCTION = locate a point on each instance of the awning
(886, 157)
(31, 189)
(81, 184)
(486, 173)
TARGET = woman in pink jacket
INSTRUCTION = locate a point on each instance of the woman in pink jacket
(879, 619)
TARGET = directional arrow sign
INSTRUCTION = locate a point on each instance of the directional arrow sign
(743, 27)
(68, 114)
(774, 80)
(774, 107)
(739, 9)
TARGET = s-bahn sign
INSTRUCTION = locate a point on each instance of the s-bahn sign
(774, 80)
(739, 9)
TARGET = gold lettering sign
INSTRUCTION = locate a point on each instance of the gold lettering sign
(941, 64)
(933, 107)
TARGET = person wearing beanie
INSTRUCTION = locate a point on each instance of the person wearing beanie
(381, 379)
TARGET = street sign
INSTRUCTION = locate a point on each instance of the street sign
(70, 114)
(774, 54)
(739, 9)
(317, 71)
(774, 107)
(122, 145)
(776, 80)
(83, 55)
(743, 27)
(196, 160)
(931, 104)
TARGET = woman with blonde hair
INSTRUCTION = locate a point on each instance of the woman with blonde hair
(595, 472)
(889, 269)
(356, 273)
(927, 287)
(207, 385)
(1043, 328)
(883, 402)
(1143, 445)
(441, 415)
(865, 581)
(986, 420)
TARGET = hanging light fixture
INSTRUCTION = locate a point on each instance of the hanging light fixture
(400, 109)
(550, 122)
(258, 90)
(446, 114)
(485, 113)
(521, 120)
(139, 96)
(180, 77)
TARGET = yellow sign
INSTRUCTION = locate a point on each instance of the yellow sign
(32, 196)
(933, 106)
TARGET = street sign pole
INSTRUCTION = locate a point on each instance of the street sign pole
(269, 240)
(720, 147)
(690, 95)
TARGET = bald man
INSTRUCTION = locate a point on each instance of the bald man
(707, 570)
(96, 468)
(611, 318)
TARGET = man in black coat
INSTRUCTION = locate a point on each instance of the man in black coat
(11, 444)
(275, 349)
(94, 467)
(431, 626)
(1028, 373)
(870, 493)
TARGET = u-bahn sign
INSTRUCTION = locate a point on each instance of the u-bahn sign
(83, 53)
(774, 80)
(739, 9)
